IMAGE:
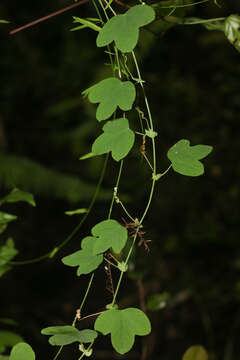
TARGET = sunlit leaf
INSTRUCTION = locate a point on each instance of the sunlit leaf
(85, 259)
(8, 339)
(196, 352)
(64, 335)
(185, 158)
(22, 351)
(7, 253)
(117, 138)
(124, 29)
(111, 93)
(17, 195)
(123, 325)
(109, 234)
(232, 30)
(76, 212)
(6, 218)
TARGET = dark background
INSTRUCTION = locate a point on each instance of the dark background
(192, 81)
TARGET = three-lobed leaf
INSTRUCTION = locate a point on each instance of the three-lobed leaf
(22, 351)
(123, 325)
(124, 29)
(109, 234)
(111, 93)
(185, 158)
(65, 335)
(117, 138)
(85, 259)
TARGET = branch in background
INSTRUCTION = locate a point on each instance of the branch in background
(48, 16)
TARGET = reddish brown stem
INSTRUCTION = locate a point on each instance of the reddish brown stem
(48, 16)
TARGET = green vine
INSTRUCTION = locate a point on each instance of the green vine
(115, 98)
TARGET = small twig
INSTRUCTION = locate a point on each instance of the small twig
(122, 4)
(88, 316)
(48, 16)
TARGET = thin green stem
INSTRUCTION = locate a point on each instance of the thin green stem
(149, 201)
(122, 272)
(58, 353)
(116, 187)
(86, 293)
(167, 170)
(180, 6)
(148, 110)
(53, 252)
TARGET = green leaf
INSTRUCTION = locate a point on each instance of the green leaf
(86, 23)
(124, 29)
(4, 21)
(87, 156)
(76, 212)
(196, 352)
(185, 158)
(5, 218)
(22, 351)
(123, 325)
(111, 93)
(84, 259)
(109, 234)
(7, 252)
(64, 335)
(17, 195)
(8, 339)
(232, 30)
(117, 138)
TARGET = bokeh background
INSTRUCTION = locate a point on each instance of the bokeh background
(193, 268)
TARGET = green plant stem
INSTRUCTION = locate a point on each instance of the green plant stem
(53, 252)
(148, 110)
(180, 6)
(89, 347)
(86, 293)
(116, 186)
(80, 308)
(58, 353)
(122, 272)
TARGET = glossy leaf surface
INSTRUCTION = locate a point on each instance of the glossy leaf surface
(117, 138)
(185, 158)
(123, 325)
(111, 93)
(124, 29)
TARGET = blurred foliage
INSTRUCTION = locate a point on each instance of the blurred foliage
(192, 79)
